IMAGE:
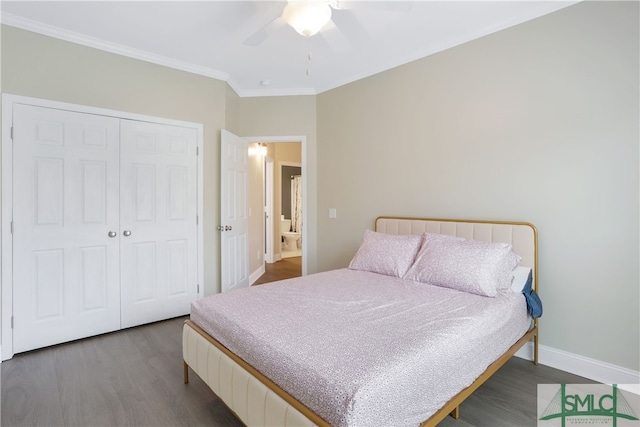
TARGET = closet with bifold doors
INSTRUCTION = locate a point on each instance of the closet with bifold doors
(104, 223)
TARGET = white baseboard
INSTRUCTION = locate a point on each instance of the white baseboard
(256, 274)
(592, 369)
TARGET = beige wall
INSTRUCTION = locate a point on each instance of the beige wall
(232, 116)
(1, 88)
(538, 123)
(43, 67)
(288, 116)
(255, 204)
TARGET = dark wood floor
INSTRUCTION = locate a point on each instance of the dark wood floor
(134, 378)
(283, 269)
(126, 378)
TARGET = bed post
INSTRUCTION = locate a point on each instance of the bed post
(536, 321)
(186, 373)
(536, 337)
(456, 412)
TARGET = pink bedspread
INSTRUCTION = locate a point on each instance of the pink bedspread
(364, 349)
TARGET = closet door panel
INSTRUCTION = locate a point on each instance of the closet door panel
(158, 221)
(66, 282)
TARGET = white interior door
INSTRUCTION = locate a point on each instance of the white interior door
(158, 221)
(233, 212)
(65, 207)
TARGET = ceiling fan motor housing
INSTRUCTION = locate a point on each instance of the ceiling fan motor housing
(307, 17)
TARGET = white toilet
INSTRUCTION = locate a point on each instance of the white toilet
(291, 239)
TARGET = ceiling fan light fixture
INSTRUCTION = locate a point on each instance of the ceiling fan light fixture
(307, 17)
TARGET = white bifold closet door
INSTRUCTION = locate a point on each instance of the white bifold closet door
(158, 221)
(104, 224)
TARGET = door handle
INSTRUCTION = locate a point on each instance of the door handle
(112, 234)
(127, 233)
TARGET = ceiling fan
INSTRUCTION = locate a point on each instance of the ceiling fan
(309, 17)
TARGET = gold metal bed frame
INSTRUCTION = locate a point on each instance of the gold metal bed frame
(256, 400)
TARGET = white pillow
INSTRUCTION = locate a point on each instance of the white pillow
(388, 254)
(520, 277)
(472, 266)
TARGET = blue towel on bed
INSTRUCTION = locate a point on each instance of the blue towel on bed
(534, 305)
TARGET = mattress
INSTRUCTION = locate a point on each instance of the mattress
(360, 348)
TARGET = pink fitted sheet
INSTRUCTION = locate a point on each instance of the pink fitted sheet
(360, 348)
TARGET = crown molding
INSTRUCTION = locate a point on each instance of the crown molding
(276, 92)
(257, 93)
(77, 38)
(81, 39)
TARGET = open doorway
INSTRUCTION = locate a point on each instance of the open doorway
(290, 209)
(268, 186)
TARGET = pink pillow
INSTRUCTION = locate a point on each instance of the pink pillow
(472, 266)
(428, 237)
(388, 254)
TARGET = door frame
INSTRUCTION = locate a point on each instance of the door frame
(267, 184)
(302, 139)
(6, 214)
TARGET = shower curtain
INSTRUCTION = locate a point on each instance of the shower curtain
(296, 204)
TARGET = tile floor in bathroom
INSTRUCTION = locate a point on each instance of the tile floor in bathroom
(286, 253)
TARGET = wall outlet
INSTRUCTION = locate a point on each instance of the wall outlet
(332, 213)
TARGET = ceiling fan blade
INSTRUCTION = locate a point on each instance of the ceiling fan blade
(350, 27)
(384, 6)
(263, 33)
(335, 38)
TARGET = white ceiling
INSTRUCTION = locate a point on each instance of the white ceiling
(225, 39)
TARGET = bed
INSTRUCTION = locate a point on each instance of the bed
(298, 363)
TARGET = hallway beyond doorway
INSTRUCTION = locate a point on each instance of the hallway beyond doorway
(283, 269)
